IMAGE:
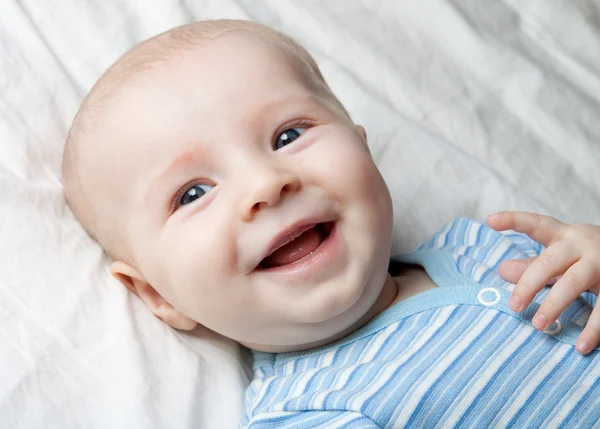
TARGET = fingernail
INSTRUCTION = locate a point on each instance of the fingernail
(539, 321)
(515, 303)
(583, 347)
(495, 215)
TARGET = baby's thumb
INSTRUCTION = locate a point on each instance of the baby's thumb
(511, 271)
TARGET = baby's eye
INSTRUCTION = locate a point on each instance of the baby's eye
(193, 193)
(287, 137)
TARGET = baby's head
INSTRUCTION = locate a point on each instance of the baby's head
(199, 155)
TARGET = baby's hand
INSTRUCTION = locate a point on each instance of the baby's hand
(571, 261)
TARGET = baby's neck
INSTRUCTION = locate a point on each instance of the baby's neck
(412, 281)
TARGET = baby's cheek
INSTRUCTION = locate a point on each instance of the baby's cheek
(370, 209)
(200, 269)
(174, 271)
(364, 184)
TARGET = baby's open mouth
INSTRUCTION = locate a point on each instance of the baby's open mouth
(299, 247)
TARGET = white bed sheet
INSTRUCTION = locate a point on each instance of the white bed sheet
(470, 107)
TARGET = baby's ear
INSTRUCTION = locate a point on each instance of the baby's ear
(361, 130)
(135, 282)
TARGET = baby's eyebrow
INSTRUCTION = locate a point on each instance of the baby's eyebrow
(278, 102)
(291, 102)
(182, 160)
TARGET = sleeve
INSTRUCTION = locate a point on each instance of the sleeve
(312, 419)
(476, 249)
(524, 247)
(477, 240)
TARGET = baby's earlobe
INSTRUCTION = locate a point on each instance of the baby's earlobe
(135, 282)
(362, 131)
(174, 318)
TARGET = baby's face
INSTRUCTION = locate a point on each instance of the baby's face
(222, 156)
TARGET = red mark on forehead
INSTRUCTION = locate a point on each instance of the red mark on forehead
(190, 152)
(188, 156)
(178, 167)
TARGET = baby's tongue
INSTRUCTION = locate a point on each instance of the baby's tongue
(294, 250)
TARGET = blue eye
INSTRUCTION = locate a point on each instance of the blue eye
(193, 193)
(287, 137)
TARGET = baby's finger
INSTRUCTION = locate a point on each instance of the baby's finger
(512, 270)
(543, 229)
(575, 281)
(553, 261)
(590, 336)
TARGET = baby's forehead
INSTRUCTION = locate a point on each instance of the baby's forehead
(197, 89)
(232, 66)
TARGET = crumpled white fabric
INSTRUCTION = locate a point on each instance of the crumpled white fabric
(470, 107)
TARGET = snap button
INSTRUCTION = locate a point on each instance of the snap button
(489, 296)
(555, 328)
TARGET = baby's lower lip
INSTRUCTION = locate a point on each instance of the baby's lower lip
(312, 262)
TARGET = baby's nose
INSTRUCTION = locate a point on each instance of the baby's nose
(267, 188)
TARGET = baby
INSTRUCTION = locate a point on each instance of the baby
(232, 189)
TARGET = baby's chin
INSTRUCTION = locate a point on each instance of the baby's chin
(313, 335)
(333, 305)
(321, 325)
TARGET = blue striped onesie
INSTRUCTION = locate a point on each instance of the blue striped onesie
(453, 356)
